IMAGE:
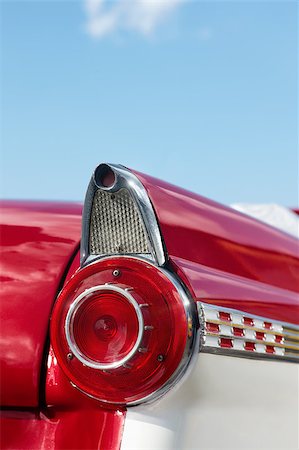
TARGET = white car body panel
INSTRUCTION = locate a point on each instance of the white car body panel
(226, 402)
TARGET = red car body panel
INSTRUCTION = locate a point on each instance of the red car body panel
(61, 429)
(223, 257)
(38, 245)
(231, 291)
(37, 242)
(204, 232)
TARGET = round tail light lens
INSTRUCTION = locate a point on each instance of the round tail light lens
(104, 327)
(124, 339)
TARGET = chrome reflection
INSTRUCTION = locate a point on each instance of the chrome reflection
(237, 333)
(124, 196)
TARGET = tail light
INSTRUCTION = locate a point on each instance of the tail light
(123, 330)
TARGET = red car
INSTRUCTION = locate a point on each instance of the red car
(173, 326)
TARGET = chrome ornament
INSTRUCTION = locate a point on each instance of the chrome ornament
(116, 213)
(237, 333)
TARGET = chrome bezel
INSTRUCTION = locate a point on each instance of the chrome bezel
(193, 346)
(69, 321)
(194, 339)
(124, 179)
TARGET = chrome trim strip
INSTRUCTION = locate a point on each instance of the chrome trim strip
(237, 333)
(124, 179)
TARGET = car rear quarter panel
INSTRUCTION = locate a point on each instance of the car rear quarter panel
(202, 231)
(224, 258)
(37, 242)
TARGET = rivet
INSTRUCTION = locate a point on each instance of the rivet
(116, 273)
(160, 358)
(70, 356)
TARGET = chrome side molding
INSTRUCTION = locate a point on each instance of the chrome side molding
(236, 333)
(118, 218)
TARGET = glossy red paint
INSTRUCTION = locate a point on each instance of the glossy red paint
(75, 265)
(61, 429)
(208, 233)
(71, 420)
(104, 425)
(224, 257)
(231, 291)
(59, 392)
(37, 242)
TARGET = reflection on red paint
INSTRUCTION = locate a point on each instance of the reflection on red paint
(61, 429)
(230, 291)
(205, 232)
(37, 241)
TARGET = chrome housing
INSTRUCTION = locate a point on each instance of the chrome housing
(118, 218)
(194, 334)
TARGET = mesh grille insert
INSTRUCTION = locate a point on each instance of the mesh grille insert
(115, 225)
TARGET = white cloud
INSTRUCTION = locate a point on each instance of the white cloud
(143, 16)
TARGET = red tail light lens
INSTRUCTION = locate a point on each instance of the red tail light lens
(123, 338)
(104, 327)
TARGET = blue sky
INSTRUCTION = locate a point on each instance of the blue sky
(201, 94)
